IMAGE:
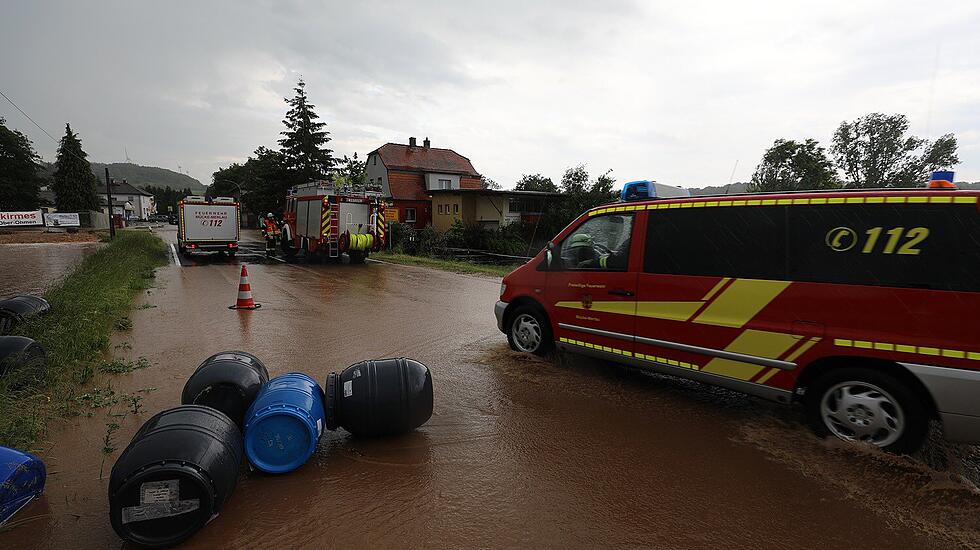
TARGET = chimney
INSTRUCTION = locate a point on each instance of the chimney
(425, 143)
(411, 142)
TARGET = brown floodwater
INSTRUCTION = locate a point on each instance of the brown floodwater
(34, 268)
(519, 452)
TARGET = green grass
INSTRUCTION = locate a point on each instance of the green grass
(86, 308)
(456, 266)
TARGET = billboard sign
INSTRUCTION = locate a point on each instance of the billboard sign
(62, 219)
(8, 219)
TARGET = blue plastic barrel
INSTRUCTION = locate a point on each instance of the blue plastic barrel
(284, 423)
(22, 478)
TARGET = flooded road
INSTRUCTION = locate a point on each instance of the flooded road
(519, 452)
(34, 268)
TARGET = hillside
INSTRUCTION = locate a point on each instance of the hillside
(140, 176)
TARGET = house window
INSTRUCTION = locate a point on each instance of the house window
(445, 184)
(375, 160)
(409, 215)
(440, 209)
(455, 209)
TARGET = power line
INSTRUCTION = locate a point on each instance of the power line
(28, 117)
(38, 125)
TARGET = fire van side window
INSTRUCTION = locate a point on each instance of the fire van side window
(601, 243)
(724, 242)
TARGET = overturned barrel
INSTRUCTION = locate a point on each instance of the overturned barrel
(18, 351)
(284, 423)
(174, 476)
(17, 309)
(22, 477)
(380, 397)
(227, 381)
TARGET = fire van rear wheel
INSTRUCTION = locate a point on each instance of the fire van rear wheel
(867, 406)
(528, 331)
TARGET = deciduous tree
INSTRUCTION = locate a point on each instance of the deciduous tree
(18, 171)
(536, 182)
(793, 166)
(874, 151)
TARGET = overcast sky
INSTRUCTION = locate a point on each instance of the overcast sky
(674, 91)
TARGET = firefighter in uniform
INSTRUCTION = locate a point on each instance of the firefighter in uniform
(270, 230)
(587, 255)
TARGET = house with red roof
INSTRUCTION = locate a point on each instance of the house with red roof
(408, 174)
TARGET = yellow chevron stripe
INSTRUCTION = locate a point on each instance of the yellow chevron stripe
(765, 377)
(619, 308)
(758, 343)
(672, 311)
(740, 302)
(802, 349)
(714, 290)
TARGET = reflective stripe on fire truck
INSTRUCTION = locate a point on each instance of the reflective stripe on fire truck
(695, 203)
(381, 228)
(908, 348)
(325, 220)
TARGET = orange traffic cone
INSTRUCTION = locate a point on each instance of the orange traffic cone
(245, 300)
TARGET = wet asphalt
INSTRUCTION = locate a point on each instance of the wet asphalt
(520, 452)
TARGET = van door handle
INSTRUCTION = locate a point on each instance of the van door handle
(620, 292)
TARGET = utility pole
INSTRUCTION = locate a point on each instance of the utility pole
(108, 193)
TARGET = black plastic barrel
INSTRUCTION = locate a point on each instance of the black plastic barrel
(175, 475)
(227, 381)
(17, 351)
(17, 309)
(379, 397)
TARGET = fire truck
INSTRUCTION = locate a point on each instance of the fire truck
(323, 221)
(208, 224)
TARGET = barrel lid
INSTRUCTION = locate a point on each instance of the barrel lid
(280, 438)
(162, 504)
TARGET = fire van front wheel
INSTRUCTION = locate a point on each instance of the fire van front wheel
(529, 331)
(867, 406)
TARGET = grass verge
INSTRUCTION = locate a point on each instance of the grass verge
(456, 266)
(85, 309)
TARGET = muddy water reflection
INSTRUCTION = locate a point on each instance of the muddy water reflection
(34, 268)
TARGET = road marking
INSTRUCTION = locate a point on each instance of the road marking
(173, 250)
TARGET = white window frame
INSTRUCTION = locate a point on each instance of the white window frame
(410, 215)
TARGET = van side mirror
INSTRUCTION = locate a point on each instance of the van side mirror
(548, 254)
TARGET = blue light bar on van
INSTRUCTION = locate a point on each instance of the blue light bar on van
(642, 190)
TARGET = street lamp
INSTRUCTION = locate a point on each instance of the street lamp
(241, 194)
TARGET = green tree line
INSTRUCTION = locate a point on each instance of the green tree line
(874, 151)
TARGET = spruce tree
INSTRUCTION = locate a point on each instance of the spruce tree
(18, 171)
(74, 183)
(304, 140)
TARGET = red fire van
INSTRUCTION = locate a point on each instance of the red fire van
(862, 305)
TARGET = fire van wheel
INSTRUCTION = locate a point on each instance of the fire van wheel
(867, 406)
(529, 331)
